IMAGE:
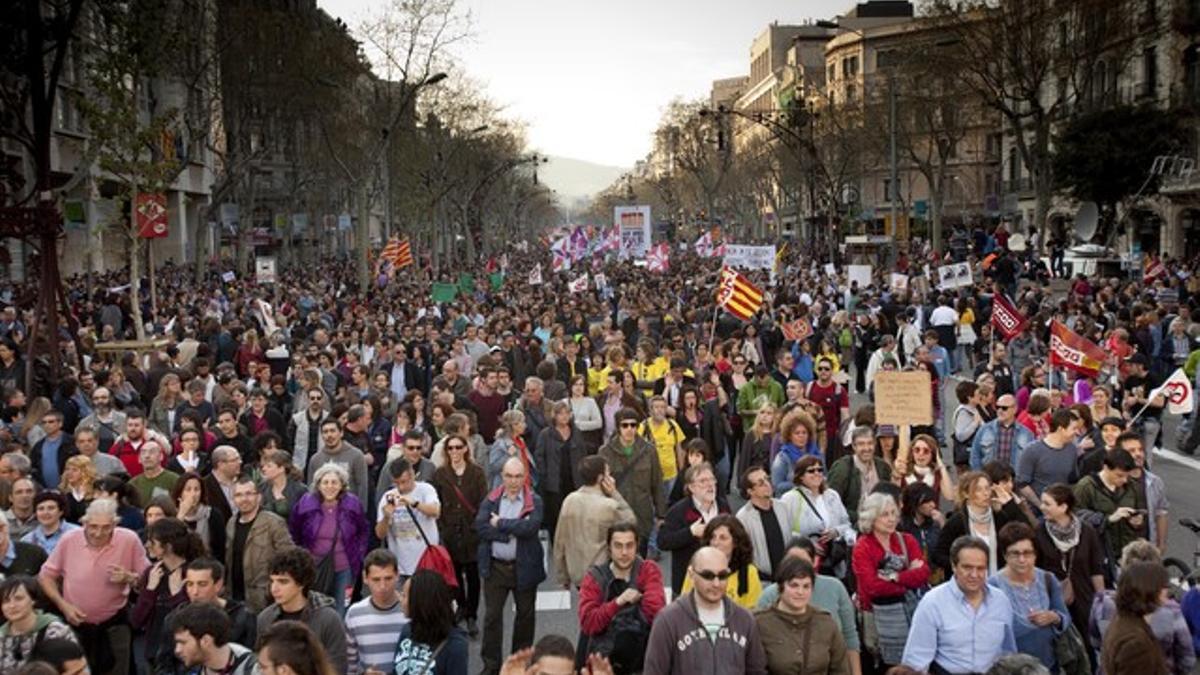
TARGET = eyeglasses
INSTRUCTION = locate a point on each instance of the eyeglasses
(711, 575)
(1005, 407)
(413, 447)
(455, 446)
(814, 469)
(823, 369)
(627, 425)
(1027, 553)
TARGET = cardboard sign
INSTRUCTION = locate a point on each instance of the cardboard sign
(859, 273)
(903, 397)
(899, 282)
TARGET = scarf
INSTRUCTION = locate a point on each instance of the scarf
(985, 518)
(1064, 538)
(870, 478)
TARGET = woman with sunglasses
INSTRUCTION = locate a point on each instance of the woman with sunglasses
(461, 486)
(818, 513)
(924, 465)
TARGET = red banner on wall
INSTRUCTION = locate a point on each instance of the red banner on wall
(151, 215)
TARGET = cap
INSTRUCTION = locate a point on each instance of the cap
(886, 431)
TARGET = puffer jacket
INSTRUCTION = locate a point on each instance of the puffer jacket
(639, 480)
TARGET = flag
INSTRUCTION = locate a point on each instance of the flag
(1178, 390)
(1074, 352)
(560, 263)
(797, 330)
(579, 244)
(579, 284)
(151, 215)
(535, 276)
(1152, 269)
(442, 292)
(1006, 319)
(466, 283)
(737, 295)
(658, 259)
(562, 255)
(397, 252)
(610, 242)
(704, 245)
(496, 279)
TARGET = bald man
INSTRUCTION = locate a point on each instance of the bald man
(510, 560)
(704, 631)
(1003, 438)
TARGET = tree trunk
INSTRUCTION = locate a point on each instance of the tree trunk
(135, 282)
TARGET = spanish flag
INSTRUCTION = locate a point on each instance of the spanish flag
(736, 295)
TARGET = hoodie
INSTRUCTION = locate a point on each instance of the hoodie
(320, 616)
(683, 646)
(15, 649)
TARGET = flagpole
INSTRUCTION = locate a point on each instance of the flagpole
(712, 334)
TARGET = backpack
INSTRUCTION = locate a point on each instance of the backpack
(625, 640)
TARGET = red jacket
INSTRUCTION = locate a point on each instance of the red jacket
(127, 451)
(867, 557)
(595, 614)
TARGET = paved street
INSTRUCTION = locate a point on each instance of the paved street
(556, 607)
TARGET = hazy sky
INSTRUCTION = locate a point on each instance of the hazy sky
(592, 77)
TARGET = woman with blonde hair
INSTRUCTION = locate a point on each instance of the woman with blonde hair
(76, 485)
(165, 405)
(757, 443)
(248, 352)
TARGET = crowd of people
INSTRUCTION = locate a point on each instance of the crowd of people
(311, 478)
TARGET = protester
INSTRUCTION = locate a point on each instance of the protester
(292, 575)
(25, 626)
(1128, 644)
(793, 626)
(461, 485)
(587, 517)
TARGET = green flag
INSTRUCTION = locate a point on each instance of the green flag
(497, 280)
(466, 283)
(444, 292)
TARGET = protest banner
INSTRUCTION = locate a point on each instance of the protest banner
(633, 222)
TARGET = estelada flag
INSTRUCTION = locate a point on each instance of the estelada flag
(1074, 352)
(151, 215)
(1006, 319)
(736, 295)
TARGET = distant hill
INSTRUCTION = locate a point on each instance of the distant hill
(575, 178)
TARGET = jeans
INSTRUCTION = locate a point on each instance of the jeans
(501, 581)
(343, 582)
(1150, 427)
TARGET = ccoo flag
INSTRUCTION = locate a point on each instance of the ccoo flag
(737, 295)
(1074, 352)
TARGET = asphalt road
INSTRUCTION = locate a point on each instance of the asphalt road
(556, 607)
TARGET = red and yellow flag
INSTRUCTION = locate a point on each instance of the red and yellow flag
(737, 295)
(1074, 352)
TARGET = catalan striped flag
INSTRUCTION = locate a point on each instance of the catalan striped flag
(737, 295)
(397, 252)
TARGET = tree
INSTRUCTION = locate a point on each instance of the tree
(1105, 157)
(1035, 61)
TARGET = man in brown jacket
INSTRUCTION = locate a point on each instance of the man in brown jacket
(633, 462)
(252, 536)
(583, 521)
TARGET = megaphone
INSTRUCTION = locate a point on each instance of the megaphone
(1087, 218)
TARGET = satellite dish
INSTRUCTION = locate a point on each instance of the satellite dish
(1086, 220)
(1016, 243)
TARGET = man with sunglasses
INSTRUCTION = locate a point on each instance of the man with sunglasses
(704, 631)
(637, 473)
(834, 401)
(304, 431)
(1002, 439)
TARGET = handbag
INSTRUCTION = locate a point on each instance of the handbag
(436, 557)
(836, 551)
(326, 578)
(1069, 651)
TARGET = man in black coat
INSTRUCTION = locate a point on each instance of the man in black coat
(403, 376)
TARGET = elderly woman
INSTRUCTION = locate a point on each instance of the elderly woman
(330, 523)
(193, 508)
(924, 465)
(818, 513)
(799, 436)
(982, 509)
(1039, 612)
(727, 534)
(76, 485)
(510, 442)
(558, 449)
(1165, 622)
(794, 626)
(888, 566)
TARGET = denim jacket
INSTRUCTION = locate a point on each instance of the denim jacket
(983, 450)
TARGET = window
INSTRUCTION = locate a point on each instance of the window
(1014, 165)
(1149, 71)
(886, 58)
(832, 74)
(850, 67)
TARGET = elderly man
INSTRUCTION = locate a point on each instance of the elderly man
(1002, 439)
(226, 467)
(87, 442)
(962, 626)
(96, 567)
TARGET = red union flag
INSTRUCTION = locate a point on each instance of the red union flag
(151, 215)
(1006, 319)
(1072, 351)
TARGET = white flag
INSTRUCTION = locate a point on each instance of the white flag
(579, 285)
(1178, 390)
(535, 276)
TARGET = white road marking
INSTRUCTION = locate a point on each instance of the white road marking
(1178, 458)
(553, 601)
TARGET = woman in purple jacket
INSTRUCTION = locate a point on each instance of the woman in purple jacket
(329, 522)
